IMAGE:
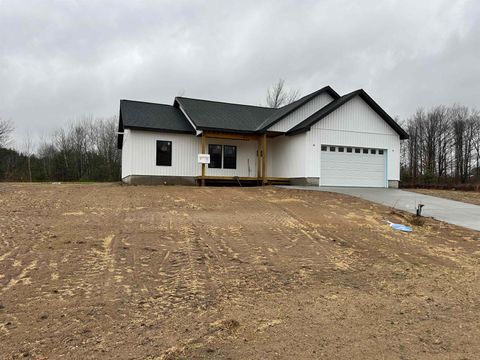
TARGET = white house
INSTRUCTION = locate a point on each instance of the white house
(321, 139)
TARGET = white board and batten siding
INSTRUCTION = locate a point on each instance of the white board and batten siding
(246, 158)
(286, 156)
(140, 150)
(354, 124)
(303, 112)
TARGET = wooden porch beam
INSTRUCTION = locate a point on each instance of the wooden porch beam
(222, 135)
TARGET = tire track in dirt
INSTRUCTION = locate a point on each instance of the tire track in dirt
(300, 235)
(239, 273)
(22, 277)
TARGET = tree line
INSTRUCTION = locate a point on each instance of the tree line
(84, 150)
(443, 148)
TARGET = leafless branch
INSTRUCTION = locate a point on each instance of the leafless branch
(278, 95)
(6, 129)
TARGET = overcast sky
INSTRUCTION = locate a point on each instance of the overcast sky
(60, 60)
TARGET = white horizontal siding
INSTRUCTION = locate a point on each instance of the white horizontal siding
(354, 124)
(302, 113)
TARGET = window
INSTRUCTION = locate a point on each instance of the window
(349, 150)
(380, 152)
(229, 157)
(357, 151)
(332, 148)
(324, 148)
(373, 151)
(215, 152)
(164, 153)
(340, 149)
(365, 151)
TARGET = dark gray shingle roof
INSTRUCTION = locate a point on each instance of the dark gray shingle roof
(214, 115)
(228, 117)
(150, 116)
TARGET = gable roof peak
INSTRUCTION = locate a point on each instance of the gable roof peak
(334, 105)
(289, 108)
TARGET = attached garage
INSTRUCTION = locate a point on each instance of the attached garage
(353, 166)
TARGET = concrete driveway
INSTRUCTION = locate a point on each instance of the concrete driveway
(450, 211)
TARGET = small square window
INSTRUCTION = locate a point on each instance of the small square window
(349, 150)
(357, 151)
(373, 151)
(380, 152)
(340, 149)
(332, 148)
(365, 151)
(324, 148)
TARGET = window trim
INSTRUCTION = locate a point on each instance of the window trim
(169, 144)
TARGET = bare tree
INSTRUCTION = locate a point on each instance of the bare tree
(278, 95)
(85, 149)
(6, 129)
(61, 143)
(476, 142)
(443, 147)
(28, 152)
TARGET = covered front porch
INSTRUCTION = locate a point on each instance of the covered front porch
(249, 166)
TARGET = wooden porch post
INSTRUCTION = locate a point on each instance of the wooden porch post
(203, 165)
(264, 160)
(259, 157)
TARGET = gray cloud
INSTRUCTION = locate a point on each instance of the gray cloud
(63, 59)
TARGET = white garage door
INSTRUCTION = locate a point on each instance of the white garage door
(353, 166)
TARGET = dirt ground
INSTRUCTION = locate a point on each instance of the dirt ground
(470, 197)
(131, 272)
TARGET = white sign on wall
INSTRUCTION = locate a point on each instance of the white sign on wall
(204, 158)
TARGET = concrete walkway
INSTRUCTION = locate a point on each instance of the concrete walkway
(453, 212)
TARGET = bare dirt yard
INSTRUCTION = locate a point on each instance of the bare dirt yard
(109, 271)
(470, 197)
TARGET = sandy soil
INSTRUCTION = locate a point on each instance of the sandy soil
(110, 271)
(470, 197)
